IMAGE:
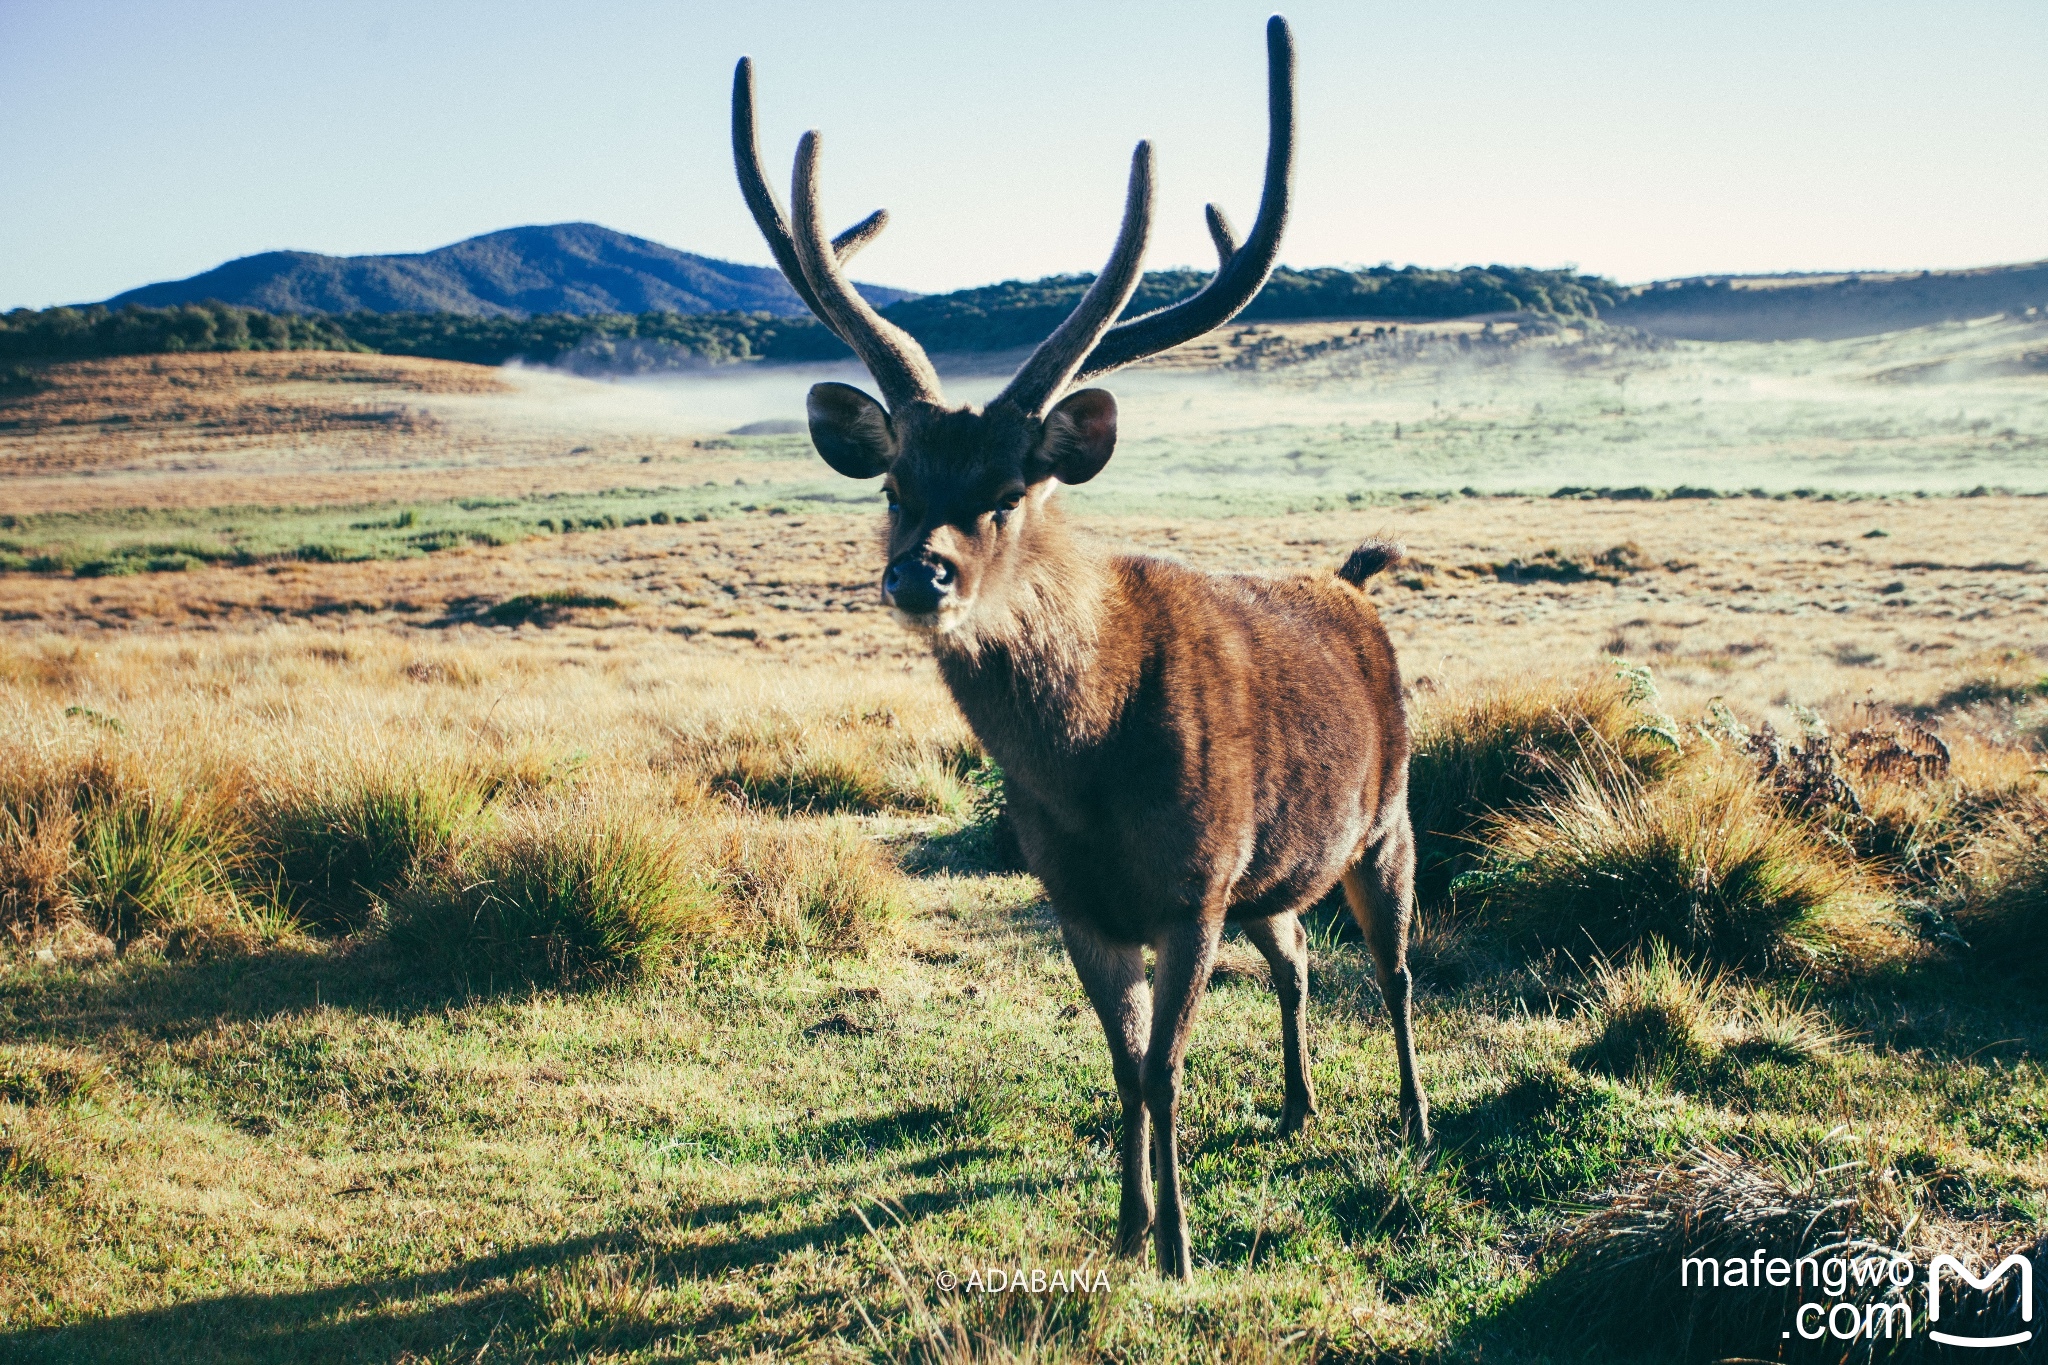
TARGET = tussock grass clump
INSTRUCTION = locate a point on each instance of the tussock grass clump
(1709, 864)
(37, 857)
(548, 897)
(806, 887)
(92, 836)
(1655, 1020)
(342, 850)
(1478, 755)
(2004, 909)
(36, 1075)
(860, 761)
(1620, 1277)
(152, 863)
(1779, 1031)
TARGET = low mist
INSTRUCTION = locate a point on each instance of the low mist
(1296, 415)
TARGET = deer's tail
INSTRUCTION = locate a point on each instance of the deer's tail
(1369, 559)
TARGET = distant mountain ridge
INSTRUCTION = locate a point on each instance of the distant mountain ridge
(579, 269)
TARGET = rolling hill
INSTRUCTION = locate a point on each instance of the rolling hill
(579, 269)
(1828, 307)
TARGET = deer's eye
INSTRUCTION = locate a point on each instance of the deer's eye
(1002, 511)
(895, 503)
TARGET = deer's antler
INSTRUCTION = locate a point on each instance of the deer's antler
(1242, 270)
(814, 270)
(1051, 367)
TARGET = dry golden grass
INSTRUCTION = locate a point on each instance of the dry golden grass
(1767, 615)
(228, 791)
(99, 412)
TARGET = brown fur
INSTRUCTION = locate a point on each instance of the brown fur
(1182, 750)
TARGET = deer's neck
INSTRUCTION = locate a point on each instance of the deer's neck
(1030, 672)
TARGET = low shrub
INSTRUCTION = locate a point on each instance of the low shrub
(1708, 863)
(551, 897)
(545, 608)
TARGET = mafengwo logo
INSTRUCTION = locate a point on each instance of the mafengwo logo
(1982, 1286)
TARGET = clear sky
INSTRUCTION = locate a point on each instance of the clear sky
(150, 139)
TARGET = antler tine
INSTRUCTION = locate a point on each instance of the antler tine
(1221, 235)
(897, 362)
(1051, 367)
(767, 210)
(859, 235)
(1244, 269)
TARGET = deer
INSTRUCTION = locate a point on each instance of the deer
(1182, 751)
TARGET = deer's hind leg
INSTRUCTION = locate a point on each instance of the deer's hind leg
(1380, 888)
(1113, 974)
(1285, 945)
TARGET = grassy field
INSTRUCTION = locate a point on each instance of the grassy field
(602, 946)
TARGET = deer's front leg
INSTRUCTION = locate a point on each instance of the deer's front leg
(1185, 954)
(1113, 974)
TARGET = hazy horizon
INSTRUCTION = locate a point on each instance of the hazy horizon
(153, 146)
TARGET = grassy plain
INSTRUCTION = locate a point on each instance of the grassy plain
(595, 945)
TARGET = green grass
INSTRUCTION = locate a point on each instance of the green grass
(171, 540)
(583, 1069)
(757, 1156)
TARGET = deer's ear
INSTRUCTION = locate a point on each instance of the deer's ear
(1077, 439)
(850, 430)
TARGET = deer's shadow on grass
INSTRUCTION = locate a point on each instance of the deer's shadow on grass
(499, 1301)
(172, 999)
(397, 1318)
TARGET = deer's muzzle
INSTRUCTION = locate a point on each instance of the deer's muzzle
(917, 584)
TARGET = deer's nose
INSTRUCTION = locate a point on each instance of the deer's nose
(918, 583)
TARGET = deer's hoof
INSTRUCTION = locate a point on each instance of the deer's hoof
(1295, 1117)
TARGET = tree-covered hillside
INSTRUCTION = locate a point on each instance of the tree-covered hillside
(86, 333)
(993, 318)
(1018, 313)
